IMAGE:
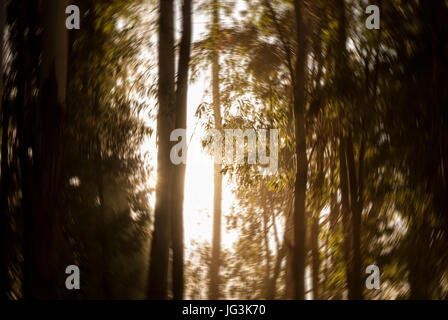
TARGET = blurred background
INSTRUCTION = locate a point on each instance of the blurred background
(90, 94)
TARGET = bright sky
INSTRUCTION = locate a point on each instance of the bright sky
(198, 203)
(198, 199)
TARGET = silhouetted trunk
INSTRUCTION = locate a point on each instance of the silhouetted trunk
(343, 186)
(315, 256)
(281, 252)
(102, 235)
(179, 171)
(289, 251)
(315, 229)
(420, 277)
(356, 210)
(4, 281)
(301, 158)
(158, 270)
(350, 188)
(272, 286)
(267, 250)
(351, 217)
(4, 219)
(333, 222)
(23, 129)
(217, 189)
(47, 157)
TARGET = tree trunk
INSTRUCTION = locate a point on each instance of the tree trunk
(179, 171)
(315, 256)
(315, 229)
(272, 287)
(4, 227)
(289, 251)
(301, 158)
(267, 250)
(333, 222)
(24, 163)
(214, 292)
(356, 211)
(343, 185)
(102, 231)
(42, 218)
(158, 270)
(350, 185)
(281, 252)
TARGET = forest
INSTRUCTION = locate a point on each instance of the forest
(115, 183)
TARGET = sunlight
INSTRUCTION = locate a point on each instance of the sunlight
(198, 206)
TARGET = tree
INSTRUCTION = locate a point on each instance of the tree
(4, 220)
(179, 174)
(161, 239)
(102, 191)
(168, 223)
(301, 157)
(42, 220)
(217, 175)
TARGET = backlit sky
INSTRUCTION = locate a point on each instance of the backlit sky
(198, 199)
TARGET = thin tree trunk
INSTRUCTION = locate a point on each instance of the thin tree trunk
(334, 218)
(349, 184)
(158, 270)
(315, 257)
(272, 287)
(301, 158)
(179, 171)
(4, 228)
(281, 252)
(315, 229)
(214, 292)
(356, 211)
(102, 233)
(4, 281)
(267, 250)
(24, 163)
(343, 185)
(289, 250)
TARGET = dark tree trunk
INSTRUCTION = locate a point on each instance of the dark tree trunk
(281, 252)
(102, 231)
(315, 229)
(350, 184)
(47, 157)
(179, 171)
(4, 227)
(333, 220)
(158, 270)
(272, 286)
(356, 211)
(289, 251)
(24, 163)
(267, 250)
(343, 185)
(315, 257)
(301, 158)
(214, 292)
